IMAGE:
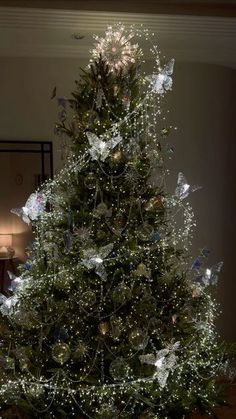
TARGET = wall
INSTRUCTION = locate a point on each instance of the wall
(201, 105)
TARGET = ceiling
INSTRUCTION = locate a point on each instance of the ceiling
(191, 7)
(32, 32)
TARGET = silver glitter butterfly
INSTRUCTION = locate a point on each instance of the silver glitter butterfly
(162, 81)
(209, 276)
(100, 149)
(7, 304)
(34, 206)
(94, 259)
(183, 189)
(17, 282)
(164, 361)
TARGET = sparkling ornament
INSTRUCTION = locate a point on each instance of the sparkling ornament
(117, 156)
(90, 181)
(138, 339)
(80, 351)
(88, 299)
(162, 81)
(119, 369)
(94, 259)
(183, 189)
(209, 276)
(115, 49)
(164, 361)
(100, 149)
(61, 352)
(155, 202)
(142, 270)
(104, 328)
(121, 294)
(34, 206)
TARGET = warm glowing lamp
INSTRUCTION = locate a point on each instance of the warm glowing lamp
(6, 245)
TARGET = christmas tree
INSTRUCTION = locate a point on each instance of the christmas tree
(110, 317)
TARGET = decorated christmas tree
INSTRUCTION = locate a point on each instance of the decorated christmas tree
(110, 317)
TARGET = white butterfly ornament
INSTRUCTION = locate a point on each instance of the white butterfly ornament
(34, 206)
(162, 81)
(100, 149)
(183, 189)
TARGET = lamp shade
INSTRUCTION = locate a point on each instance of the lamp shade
(5, 240)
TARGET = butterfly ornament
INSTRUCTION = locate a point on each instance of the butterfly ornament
(35, 205)
(162, 81)
(164, 361)
(100, 149)
(7, 304)
(94, 259)
(183, 189)
(209, 276)
(17, 282)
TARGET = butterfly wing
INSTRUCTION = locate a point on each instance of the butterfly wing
(92, 138)
(20, 212)
(169, 67)
(183, 188)
(215, 270)
(34, 206)
(147, 359)
(105, 250)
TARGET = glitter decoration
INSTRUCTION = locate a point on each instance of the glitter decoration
(61, 352)
(116, 49)
(35, 205)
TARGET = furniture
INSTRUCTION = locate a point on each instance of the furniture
(6, 263)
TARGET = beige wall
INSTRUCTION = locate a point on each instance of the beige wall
(201, 105)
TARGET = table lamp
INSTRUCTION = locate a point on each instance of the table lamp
(6, 249)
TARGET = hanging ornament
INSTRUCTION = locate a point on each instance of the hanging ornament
(121, 294)
(153, 203)
(94, 259)
(118, 223)
(144, 231)
(61, 352)
(183, 189)
(104, 328)
(119, 369)
(142, 270)
(155, 236)
(138, 339)
(117, 156)
(162, 81)
(100, 147)
(174, 318)
(90, 181)
(80, 351)
(102, 210)
(34, 207)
